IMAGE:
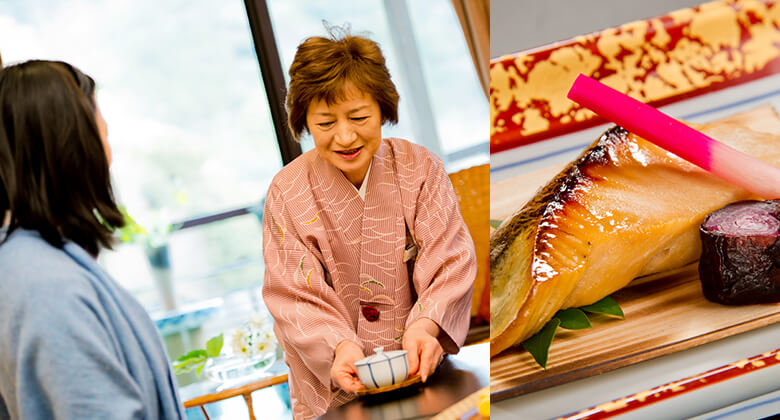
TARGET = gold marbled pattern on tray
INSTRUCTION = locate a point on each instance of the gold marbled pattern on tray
(673, 389)
(685, 52)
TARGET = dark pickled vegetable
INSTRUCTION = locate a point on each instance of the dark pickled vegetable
(740, 261)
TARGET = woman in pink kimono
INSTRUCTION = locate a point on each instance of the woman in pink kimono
(363, 240)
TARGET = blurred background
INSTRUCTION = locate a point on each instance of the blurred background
(191, 92)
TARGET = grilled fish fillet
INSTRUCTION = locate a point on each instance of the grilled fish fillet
(625, 208)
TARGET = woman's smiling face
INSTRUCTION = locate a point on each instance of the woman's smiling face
(347, 133)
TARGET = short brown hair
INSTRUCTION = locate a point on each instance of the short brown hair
(54, 171)
(323, 65)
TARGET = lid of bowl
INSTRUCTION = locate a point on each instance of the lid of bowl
(381, 355)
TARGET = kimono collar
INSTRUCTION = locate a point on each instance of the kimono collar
(363, 185)
(325, 170)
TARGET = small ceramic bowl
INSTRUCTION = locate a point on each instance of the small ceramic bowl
(383, 369)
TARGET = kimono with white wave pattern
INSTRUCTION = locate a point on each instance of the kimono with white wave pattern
(328, 253)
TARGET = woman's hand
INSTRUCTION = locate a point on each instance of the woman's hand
(424, 349)
(343, 372)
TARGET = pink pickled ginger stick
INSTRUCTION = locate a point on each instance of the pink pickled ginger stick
(651, 124)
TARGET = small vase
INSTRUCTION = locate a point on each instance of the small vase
(160, 262)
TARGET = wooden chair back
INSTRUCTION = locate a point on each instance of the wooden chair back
(245, 391)
(472, 187)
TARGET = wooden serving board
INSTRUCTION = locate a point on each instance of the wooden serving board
(664, 313)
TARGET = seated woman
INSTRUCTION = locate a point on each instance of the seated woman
(73, 343)
(363, 240)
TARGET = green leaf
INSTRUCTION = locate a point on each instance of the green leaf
(180, 368)
(539, 344)
(196, 359)
(189, 364)
(606, 306)
(495, 223)
(214, 346)
(573, 319)
(132, 231)
(194, 354)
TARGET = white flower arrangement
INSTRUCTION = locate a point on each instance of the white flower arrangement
(255, 338)
(253, 350)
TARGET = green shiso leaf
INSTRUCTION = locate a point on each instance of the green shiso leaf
(214, 346)
(495, 223)
(606, 306)
(539, 344)
(573, 319)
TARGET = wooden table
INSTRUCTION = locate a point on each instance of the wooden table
(456, 378)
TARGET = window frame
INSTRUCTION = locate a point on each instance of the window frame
(275, 89)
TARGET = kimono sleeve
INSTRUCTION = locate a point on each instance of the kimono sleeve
(309, 316)
(446, 264)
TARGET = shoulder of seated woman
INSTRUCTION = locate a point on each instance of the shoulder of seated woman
(28, 259)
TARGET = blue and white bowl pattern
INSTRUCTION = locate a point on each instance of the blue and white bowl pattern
(383, 369)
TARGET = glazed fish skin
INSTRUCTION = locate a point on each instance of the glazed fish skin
(623, 209)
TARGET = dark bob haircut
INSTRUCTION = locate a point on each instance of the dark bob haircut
(54, 172)
(322, 66)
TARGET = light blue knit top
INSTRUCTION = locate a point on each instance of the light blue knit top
(73, 343)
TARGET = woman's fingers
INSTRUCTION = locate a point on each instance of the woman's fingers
(425, 356)
(348, 381)
(343, 372)
(424, 350)
(413, 355)
(346, 378)
(429, 358)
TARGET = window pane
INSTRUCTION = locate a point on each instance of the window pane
(237, 263)
(460, 112)
(188, 118)
(190, 129)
